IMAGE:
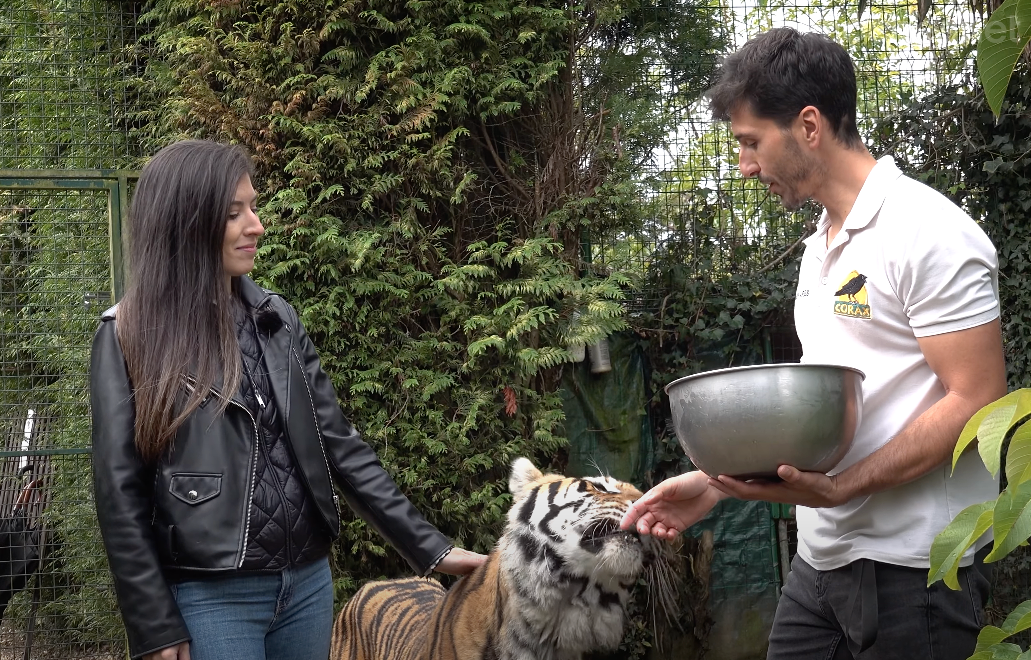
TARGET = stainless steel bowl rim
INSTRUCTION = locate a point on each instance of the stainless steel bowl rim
(757, 367)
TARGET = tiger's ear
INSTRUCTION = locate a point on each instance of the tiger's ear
(523, 474)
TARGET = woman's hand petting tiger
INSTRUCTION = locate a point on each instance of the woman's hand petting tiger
(668, 509)
(460, 562)
(555, 587)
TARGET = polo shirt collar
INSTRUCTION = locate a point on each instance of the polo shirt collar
(868, 203)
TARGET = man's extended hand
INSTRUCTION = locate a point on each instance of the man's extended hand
(672, 506)
(812, 489)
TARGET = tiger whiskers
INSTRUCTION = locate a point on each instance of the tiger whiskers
(664, 577)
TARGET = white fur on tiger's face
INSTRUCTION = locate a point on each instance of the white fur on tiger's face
(554, 588)
(569, 566)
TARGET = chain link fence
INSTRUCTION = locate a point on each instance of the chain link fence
(64, 114)
(700, 210)
(65, 73)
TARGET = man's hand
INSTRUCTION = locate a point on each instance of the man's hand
(460, 562)
(672, 506)
(177, 652)
(812, 489)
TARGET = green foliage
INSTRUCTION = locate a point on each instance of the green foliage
(62, 73)
(427, 171)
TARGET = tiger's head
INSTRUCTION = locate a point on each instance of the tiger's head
(573, 523)
(555, 587)
(567, 562)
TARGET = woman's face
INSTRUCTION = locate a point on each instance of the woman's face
(243, 229)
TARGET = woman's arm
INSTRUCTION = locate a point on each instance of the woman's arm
(366, 486)
(122, 490)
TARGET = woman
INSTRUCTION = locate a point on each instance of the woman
(217, 436)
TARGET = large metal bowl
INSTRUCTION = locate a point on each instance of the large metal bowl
(745, 422)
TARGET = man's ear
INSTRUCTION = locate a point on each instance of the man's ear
(812, 126)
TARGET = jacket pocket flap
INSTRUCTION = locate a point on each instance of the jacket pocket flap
(195, 487)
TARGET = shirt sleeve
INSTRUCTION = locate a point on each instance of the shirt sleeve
(947, 272)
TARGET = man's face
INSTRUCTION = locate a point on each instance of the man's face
(772, 154)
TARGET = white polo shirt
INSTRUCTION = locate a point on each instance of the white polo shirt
(907, 263)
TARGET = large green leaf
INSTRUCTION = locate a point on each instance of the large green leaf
(1019, 619)
(1018, 456)
(991, 434)
(1011, 520)
(948, 547)
(1006, 652)
(1020, 398)
(1001, 652)
(989, 637)
(1004, 37)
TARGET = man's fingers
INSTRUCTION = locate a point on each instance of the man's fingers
(646, 524)
(630, 517)
(788, 473)
(744, 490)
(638, 508)
(724, 486)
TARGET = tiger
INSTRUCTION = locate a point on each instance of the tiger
(555, 586)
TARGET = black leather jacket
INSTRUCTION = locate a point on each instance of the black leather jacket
(190, 511)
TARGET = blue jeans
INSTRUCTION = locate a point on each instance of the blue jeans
(278, 616)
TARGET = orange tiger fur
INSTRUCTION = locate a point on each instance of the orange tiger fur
(415, 619)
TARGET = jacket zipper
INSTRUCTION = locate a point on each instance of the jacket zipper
(250, 490)
(322, 446)
(253, 471)
(280, 491)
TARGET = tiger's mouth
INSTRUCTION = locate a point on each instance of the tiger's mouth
(599, 531)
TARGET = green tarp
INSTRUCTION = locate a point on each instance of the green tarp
(609, 431)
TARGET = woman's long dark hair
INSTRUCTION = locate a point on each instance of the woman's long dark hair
(175, 323)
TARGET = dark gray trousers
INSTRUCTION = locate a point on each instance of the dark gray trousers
(820, 613)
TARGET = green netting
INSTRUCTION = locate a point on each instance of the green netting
(744, 581)
(607, 415)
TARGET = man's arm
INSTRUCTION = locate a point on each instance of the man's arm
(970, 365)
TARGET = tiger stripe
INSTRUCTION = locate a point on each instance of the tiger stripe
(555, 587)
(416, 619)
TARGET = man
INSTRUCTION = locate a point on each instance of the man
(898, 282)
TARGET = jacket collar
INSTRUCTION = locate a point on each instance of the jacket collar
(276, 341)
(252, 294)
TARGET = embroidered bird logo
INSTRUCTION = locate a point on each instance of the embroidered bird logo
(852, 287)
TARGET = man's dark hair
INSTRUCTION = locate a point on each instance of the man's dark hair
(782, 71)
